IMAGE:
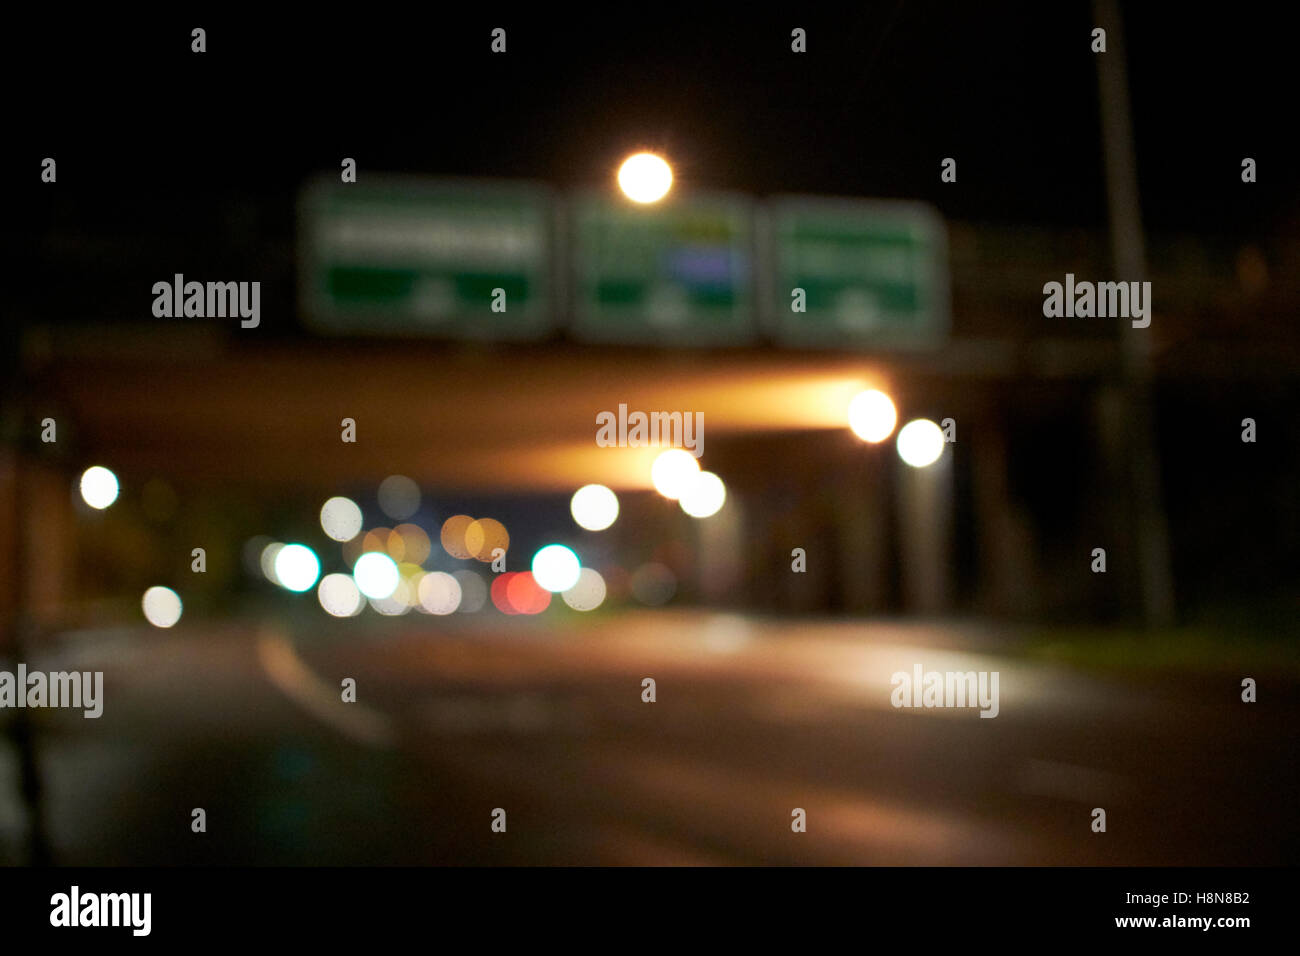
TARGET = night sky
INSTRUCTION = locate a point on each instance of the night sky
(885, 91)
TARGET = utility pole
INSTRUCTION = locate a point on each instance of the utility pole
(1128, 246)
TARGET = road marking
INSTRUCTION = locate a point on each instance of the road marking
(299, 683)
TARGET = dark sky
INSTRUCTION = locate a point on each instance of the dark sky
(885, 91)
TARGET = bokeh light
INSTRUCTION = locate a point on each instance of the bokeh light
(252, 552)
(920, 442)
(556, 567)
(526, 594)
(399, 497)
(500, 596)
(484, 536)
(376, 575)
(353, 549)
(453, 536)
(473, 592)
(872, 416)
(673, 471)
(395, 546)
(98, 487)
(376, 539)
(594, 507)
(588, 594)
(162, 606)
(340, 518)
(645, 177)
(415, 543)
(654, 584)
(267, 561)
(296, 567)
(439, 593)
(703, 496)
(399, 602)
(338, 595)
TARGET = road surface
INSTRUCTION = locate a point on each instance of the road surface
(544, 719)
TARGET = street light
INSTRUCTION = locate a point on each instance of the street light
(673, 471)
(645, 178)
(703, 496)
(98, 487)
(594, 507)
(556, 568)
(872, 416)
(920, 443)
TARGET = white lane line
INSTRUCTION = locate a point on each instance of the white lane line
(299, 683)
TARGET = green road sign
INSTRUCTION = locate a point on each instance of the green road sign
(407, 256)
(677, 272)
(871, 273)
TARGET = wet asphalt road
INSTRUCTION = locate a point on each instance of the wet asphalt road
(544, 718)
